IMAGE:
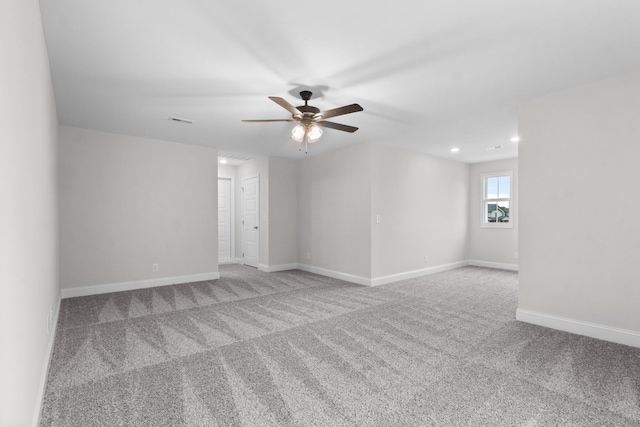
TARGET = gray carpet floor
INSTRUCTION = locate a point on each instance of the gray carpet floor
(297, 349)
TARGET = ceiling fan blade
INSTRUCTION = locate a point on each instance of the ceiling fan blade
(269, 120)
(338, 126)
(284, 104)
(347, 109)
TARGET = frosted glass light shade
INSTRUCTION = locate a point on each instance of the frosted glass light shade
(314, 133)
(297, 134)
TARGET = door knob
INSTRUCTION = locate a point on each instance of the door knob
(255, 228)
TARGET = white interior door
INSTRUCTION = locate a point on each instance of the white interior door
(224, 220)
(251, 221)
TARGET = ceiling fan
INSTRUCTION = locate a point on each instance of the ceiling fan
(311, 119)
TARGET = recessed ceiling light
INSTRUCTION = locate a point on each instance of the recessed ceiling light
(455, 149)
(223, 161)
(515, 139)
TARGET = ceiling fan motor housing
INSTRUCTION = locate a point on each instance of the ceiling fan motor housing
(306, 96)
(308, 109)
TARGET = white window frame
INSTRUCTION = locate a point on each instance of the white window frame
(484, 199)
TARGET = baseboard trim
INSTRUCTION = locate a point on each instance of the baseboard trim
(229, 261)
(335, 274)
(383, 280)
(279, 267)
(137, 284)
(239, 261)
(45, 368)
(490, 264)
(592, 330)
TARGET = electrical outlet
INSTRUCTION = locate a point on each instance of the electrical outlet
(426, 258)
(156, 267)
(377, 219)
(515, 255)
(308, 255)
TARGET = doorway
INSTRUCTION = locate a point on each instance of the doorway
(251, 221)
(225, 221)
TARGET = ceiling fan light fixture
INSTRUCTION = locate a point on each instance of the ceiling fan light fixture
(310, 133)
(298, 132)
(314, 133)
(311, 119)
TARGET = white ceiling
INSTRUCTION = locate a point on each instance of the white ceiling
(431, 75)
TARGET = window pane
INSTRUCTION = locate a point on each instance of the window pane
(489, 212)
(504, 186)
(503, 212)
(492, 188)
(496, 212)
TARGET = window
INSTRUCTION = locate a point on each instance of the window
(497, 210)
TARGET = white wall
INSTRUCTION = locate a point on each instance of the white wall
(492, 245)
(255, 167)
(29, 285)
(334, 211)
(579, 204)
(227, 171)
(283, 212)
(423, 203)
(127, 203)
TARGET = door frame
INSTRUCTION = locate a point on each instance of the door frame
(257, 176)
(232, 191)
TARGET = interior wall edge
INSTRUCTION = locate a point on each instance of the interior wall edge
(280, 267)
(490, 264)
(392, 278)
(383, 280)
(46, 365)
(578, 327)
(137, 284)
(359, 280)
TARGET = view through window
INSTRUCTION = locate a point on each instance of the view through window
(496, 203)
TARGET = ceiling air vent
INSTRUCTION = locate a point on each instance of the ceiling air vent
(495, 147)
(179, 120)
(232, 159)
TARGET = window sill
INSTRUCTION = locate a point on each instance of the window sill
(509, 225)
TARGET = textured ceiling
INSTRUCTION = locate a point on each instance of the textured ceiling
(431, 75)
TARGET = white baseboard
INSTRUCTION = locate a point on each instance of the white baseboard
(383, 280)
(137, 284)
(229, 261)
(593, 330)
(280, 267)
(45, 368)
(336, 274)
(239, 261)
(489, 264)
